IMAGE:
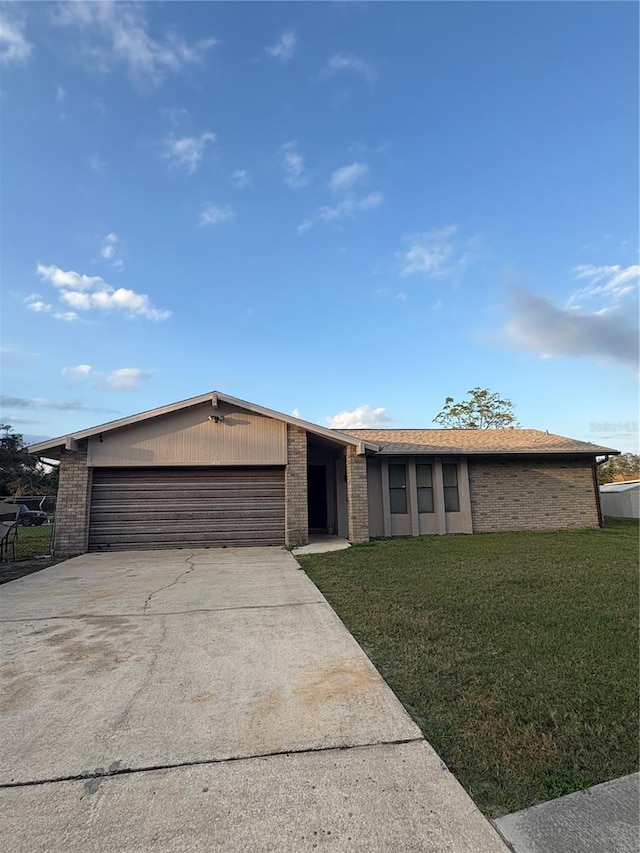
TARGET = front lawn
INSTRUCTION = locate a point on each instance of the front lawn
(516, 653)
(33, 541)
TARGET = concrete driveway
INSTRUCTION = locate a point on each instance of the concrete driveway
(207, 700)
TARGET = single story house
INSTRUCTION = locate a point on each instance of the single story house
(621, 499)
(215, 470)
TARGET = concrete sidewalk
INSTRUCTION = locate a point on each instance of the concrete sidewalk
(322, 544)
(602, 819)
(207, 700)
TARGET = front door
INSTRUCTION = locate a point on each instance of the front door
(317, 499)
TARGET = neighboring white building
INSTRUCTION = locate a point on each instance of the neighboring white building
(621, 500)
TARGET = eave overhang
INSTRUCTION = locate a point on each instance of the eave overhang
(53, 447)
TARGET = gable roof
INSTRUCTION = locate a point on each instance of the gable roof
(475, 441)
(385, 442)
(54, 445)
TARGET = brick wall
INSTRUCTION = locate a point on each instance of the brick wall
(532, 494)
(72, 506)
(297, 516)
(357, 498)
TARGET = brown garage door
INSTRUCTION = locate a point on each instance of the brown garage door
(142, 508)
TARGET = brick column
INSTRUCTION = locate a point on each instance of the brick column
(357, 498)
(72, 505)
(297, 514)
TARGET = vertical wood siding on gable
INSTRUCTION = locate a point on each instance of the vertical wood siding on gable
(188, 437)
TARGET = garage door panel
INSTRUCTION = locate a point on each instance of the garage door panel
(122, 492)
(159, 513)
(162, 508)
(167, 517)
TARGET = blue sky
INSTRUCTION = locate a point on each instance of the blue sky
(347, 211)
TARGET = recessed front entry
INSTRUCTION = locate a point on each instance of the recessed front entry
(317, 500)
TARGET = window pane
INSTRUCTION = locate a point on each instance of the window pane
(450, 474)
(397, 476)
(398, 501)
(424, 476)
(425, 499)
(451, 501)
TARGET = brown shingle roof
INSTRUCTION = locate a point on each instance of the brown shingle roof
(474, 441)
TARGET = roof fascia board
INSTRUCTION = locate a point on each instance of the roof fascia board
(118, 424)
(212, 397)
(325, 432)
(460, 451)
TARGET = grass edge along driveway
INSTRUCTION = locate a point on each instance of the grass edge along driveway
(516, 653)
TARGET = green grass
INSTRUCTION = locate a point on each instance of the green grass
(516, 653)
(33, 541)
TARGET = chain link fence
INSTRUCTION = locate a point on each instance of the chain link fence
(34, 532)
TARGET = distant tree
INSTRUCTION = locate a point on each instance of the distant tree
(483, 410)
(626, 464)
(21, 473)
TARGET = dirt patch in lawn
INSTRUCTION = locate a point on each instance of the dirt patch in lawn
(11, 571)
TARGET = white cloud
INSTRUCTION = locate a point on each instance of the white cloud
(108, 299)
(116, 34)
(109, 250)
(438, 254)
(605, 282)
(92, 293)
(402, 296)
(68, 278)
(241, 179)
(122, 379)
(14, 47)
(345, 209)
(126, 378)
(343, 179)
(77, 299)
(350, 206)
(216, 214)
(294, 166)
(295, 413)
(67, 316)
(284, 48)
(186, 152)
(96, 164)
(109, 246)
(537, 325)
(364, 417)
(349, 63)
(305, 225)
(80, 371)
(60, 94)
(34, 302)
(430, 253)
(176, 115)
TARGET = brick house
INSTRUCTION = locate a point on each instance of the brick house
(215, 470)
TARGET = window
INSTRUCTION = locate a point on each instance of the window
(424, 479)
(450, 480)
(398, 488)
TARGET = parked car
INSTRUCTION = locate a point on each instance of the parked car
(29, 517)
